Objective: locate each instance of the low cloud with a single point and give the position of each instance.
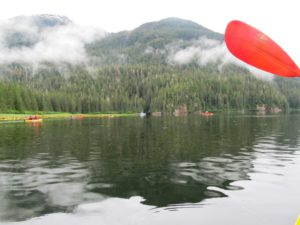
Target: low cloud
(26, 42)
(202, 51)
(206, 51)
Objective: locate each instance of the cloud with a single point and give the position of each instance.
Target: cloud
(25, 42)
(205, 51)
(201, 51)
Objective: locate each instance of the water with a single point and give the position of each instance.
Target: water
(226, 169)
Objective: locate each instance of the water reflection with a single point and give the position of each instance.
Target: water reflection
(33, 187)
(214, 171)
(173, 163)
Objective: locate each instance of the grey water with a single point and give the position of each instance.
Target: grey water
(227, 169)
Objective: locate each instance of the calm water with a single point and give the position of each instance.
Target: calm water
(227, 169)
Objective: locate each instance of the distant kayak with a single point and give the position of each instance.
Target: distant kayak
(142, 114)
(34, 121)
(77, 117)
(207, 113)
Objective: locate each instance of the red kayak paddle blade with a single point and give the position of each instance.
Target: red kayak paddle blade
(257, 49)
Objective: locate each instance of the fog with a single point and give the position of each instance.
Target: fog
(206, 51)
(48, 38)
(28, 40)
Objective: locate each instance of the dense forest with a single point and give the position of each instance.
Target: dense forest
(159, 66)
(135, 88)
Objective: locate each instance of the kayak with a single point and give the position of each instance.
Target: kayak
(298, 221)
(77, 117)
(207, 114)
(34, 121)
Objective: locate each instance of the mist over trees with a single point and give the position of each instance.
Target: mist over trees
(159, 66)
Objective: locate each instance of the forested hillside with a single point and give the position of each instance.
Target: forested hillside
(159, 66)
(152, 43)
(135, 88)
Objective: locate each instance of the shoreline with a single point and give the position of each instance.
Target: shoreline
(22, 117)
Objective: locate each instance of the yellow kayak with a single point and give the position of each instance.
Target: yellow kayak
(34, 121)
(298, 221)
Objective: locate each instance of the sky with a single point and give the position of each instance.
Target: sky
(277, 18)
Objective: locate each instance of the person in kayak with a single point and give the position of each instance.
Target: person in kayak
(35, 117)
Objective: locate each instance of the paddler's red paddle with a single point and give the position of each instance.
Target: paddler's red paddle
(257, 49)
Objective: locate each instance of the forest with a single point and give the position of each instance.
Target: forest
(142, 87)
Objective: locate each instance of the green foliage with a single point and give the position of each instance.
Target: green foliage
(135, 88)
(291, 89)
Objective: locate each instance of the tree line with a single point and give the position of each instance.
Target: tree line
(140, 87)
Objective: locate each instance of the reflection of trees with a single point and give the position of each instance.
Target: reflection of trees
(168, 160)
(174, 160)
(15, 138)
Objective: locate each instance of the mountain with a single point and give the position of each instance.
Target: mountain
(154, 42)
(24, 31)
(151, 41)
(43, 21)
(47, 63)
(173, 28)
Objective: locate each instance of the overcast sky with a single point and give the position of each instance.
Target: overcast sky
(279, 19)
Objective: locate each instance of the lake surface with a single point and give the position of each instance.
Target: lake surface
(225, 169)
